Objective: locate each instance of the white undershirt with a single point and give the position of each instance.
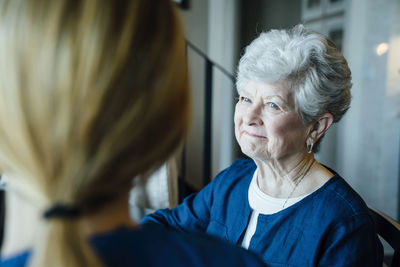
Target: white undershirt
(261, 203)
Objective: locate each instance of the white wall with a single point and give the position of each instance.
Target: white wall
(368, 140)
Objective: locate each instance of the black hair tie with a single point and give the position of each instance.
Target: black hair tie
(62, 211)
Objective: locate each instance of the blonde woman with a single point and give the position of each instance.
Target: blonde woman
(92, 93)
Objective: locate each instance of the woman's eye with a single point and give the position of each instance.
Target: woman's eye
(244, 99)
(273, 105)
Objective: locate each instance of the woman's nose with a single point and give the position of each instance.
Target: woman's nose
(253, 115)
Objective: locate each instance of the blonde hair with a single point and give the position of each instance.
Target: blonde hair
(92, 93)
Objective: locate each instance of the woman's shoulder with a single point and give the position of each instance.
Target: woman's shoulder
(243, 163)
(156, 245)
(335, 209)
(239, 168)
(339, 200)
(240, 165)
(238, 173)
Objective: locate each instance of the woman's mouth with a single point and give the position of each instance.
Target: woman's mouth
(254, 135)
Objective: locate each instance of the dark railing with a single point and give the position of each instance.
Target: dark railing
(209, 66)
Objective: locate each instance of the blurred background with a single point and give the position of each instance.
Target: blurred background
(363, 147)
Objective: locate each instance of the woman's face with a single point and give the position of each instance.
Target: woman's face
(267, 126)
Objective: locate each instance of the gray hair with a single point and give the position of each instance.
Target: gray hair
(317, 73)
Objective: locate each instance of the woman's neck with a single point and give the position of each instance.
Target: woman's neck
(109, 217)
(279, 178)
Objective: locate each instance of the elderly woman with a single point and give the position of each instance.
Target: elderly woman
(283, 204)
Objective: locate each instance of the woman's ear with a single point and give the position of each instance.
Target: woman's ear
(321, 126)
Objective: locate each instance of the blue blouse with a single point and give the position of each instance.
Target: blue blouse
(330, 227)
